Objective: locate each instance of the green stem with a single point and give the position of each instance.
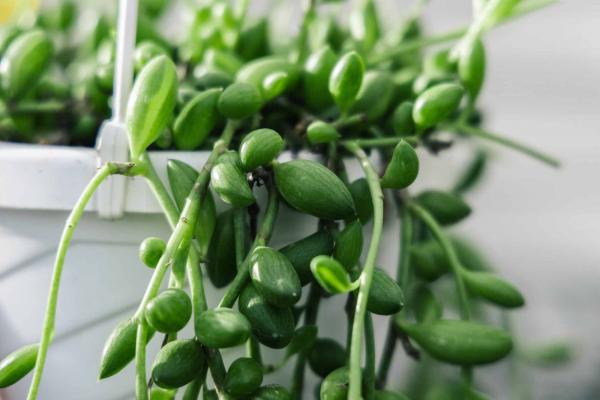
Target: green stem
(366, 276)
(309, 14)
(184, 229)
(520, 10)
(455, 265)
(369, 358)
(310, 318)
(262, 238)
(192, 391)
(382, 142)
(402, 277)
(416, 44)
(217, 371)
(241, 235)
(450, 253)
(172, 214)
(67, 234)
(349, 120)
(29, 107)
(253, 350)
(472, 131)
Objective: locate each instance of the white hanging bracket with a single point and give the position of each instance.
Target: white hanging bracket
(112, 144)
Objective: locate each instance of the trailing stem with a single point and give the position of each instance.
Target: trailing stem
(455, 265)
(65, 240)
(262, 238)
(520, 147)
(366, 277)
(184, 230)
(402, 276)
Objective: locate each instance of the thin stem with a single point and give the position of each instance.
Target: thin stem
(473, 131)
(369, 358)
(402, 276)
(183, 230)
(217, 371)
(253, 350)
(349, 120)
(382, 142)
(63, 246)
(262, 238)
(450, 253)
(310, 318)
(309, 14)
(241, 235)
(192, 391)
(456, 266)
(520, 10)
(416, 44)
(366, 276)
(28, 107)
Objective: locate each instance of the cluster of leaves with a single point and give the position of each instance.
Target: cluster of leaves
(335, 92)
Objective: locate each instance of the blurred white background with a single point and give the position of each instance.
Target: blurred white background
(539, 226)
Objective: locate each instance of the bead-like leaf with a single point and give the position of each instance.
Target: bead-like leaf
(346, 79)
(331, 275)
(17, 364)
(150, 104)
(311, 188)
(460, 342)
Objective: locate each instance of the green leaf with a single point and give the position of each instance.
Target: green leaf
(375, 95)
(222, 327)
(177, 364)
(240, 100)
(319, 132)
(169, 311)
(326, 355)
(446, 208)
(460, 342)
(551, 354)
(197, 120)
(301, 252)
(274, 277)
(244, 376)
(257, 71)
(23, 63)
(311, 188)
(315, 82)
(151, 249)
(17, 364)
(335, 385)
(403, 167)
(402, 120)
(259, 148)
(472, 174)
(151, 104)
(230, 183)
(471, 67)
(436, 104)
(359, 189)
(119, 349)
(493, 289)
(272, 326)
(331, 275)
(346, 79)
(348, 245)
(385, 296)
(221, 265)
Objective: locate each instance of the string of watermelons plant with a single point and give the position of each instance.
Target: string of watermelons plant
(339, 93)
